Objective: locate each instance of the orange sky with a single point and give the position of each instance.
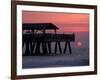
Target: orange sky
(66, 22)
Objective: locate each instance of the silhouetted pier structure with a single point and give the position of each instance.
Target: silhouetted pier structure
(40, 43)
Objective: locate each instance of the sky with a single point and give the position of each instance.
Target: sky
(77, 23)
(66, 22)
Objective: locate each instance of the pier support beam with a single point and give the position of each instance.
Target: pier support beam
(59, 45)
(37, 50)
(69, 46)
(33, 48)
(49, 47)
(27, 50)
(44, 48)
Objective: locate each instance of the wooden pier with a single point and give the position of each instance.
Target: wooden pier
(40, 43)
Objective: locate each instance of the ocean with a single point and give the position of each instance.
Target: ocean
(79, 56)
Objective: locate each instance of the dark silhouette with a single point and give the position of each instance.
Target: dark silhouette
(40, 43)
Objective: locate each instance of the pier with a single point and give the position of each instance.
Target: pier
(40, 43)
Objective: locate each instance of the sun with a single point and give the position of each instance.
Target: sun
(79, 44)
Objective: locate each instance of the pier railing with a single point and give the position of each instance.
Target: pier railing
(49, 37)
